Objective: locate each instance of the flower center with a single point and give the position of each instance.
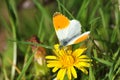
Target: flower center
(67, 60)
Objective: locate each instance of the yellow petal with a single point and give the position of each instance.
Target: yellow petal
(52, 61)
(56, 52)
(61, 74)
(54, 64)
(56, 46)
(85, 60)
(50, 65)
(83, 70)
(62, 52)
(51, 57)
(83, 56)
(82, 64)
(79, 52)
(56, 49)
(69, 73)
(59, 52)
(55, 69)
(73, 72)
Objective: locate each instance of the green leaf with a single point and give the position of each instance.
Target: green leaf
(26, 67)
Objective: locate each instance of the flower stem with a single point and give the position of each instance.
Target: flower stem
(13, 21)
(14, 49)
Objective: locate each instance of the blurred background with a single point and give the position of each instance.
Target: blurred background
(22, 19)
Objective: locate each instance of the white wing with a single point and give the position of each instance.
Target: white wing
(73, 29)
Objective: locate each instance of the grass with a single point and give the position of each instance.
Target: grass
(101, 17)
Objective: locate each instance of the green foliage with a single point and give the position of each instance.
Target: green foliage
(101, 17)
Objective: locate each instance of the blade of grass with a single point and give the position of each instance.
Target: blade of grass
(5, 74)
(105, 30)
(13, 21)
(59, 7)
(23, 42)
(117, 23)
(26, 67)
(94, 10)
(42, 9)
(116, 27)
(103, 61)
(114, 69)
(25, 59)
(91, 74)
(16, 68)
(114, 35)
(65, 9)
(110, 75)
(83, 7)
(45, 15)
(115, 55)
(117, 64)
(95, 53)
(94, 20)
(5, 24)
(40, 27)
(117, 73)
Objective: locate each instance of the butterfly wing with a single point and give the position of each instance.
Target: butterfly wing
(65, 28)
(79, 38)
(74, 29)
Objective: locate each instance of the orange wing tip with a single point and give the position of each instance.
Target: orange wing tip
(60, 21)
(83, 37)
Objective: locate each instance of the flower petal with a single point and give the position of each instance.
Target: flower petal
(56, 52)
(54, 64)
(56, 46)
(61, 74)
(85, 60)
(78, 52)
(62, 52)
(69, 73)
(85, 64)
(51, 57)
(82, 64)
(83, 56)
(83, 70)
(52, 61)
(73, 72)
(55, 69)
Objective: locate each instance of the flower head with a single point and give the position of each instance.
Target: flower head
(65, 62)
(39, 52)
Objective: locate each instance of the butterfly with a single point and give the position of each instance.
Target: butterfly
(68, 31)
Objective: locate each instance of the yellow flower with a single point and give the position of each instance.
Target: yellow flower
(65, 62)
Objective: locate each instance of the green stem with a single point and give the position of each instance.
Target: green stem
(5, 74)
(25, 59)
(14, 49)
(40, 26)
(23, 42)
(13, 21)
(26, 67)
(59, 4)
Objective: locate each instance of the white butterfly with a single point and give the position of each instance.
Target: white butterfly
(68, 31)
